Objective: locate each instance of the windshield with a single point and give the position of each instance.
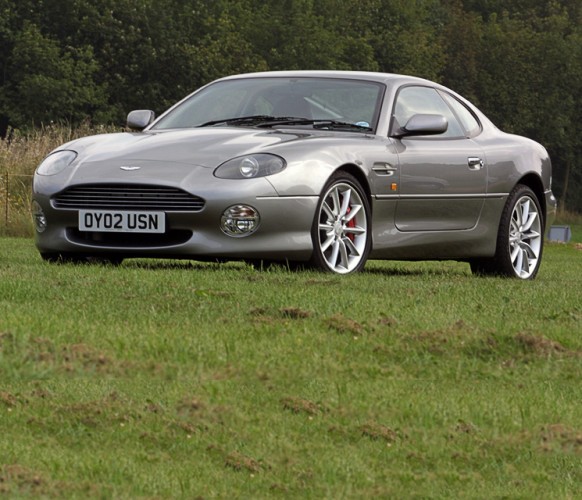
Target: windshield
(313, 99)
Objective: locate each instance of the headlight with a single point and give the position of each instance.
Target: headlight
(251, 166)
(56, 162)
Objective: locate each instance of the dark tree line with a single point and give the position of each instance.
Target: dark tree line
(520, 61)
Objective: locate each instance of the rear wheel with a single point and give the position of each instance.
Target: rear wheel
(520, 238)
(342, 226)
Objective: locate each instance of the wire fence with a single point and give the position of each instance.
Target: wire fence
(15, 198)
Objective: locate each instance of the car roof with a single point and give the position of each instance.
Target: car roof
(390, 78)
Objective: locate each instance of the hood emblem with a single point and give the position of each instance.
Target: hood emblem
(127, 168)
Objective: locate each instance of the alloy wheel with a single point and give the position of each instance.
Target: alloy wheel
(343, 228)
(525, 237)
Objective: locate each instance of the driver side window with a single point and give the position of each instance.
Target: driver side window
(425, 100)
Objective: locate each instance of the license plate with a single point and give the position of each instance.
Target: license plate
(122, 222)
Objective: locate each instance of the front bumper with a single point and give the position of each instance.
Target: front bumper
(283, 233)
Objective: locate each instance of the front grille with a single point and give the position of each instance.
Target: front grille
(127, 197)
(134, 240)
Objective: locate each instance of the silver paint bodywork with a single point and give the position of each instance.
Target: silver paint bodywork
(447, 204)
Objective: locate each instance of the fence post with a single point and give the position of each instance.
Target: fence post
(6, 200)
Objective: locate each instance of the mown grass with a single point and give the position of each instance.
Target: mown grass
(179, 379)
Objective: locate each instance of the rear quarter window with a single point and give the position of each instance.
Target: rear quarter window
(466, 117)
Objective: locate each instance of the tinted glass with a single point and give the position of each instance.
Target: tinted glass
(467, 118)
(352, 101)
(425, 100)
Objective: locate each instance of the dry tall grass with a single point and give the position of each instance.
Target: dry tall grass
(20, 154)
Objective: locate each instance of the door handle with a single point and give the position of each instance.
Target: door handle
(475, 163)
(384, 169)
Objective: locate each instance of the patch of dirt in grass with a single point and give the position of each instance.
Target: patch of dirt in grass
(558, 437)
(550, 438)
(228, 373)
(462, 428)
(194, 416)
(542, 346)
(376, 431)
(190, 406)
(460, 339)
(86, 356)
(261, 315)
(240, 462)
(40, 392)
(73, 357)
(152, 407)
(387, 321)
(442, 340)
(18, 481)
(435, 342)
(8, 399)
(15, 479)
(105, 411)
(7, 343)
(465, 427)
(300, 405)
(236, 460)
(578, 246)
(341, 324)
(6, 338)
(294, 313)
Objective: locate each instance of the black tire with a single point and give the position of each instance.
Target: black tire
(519, 242)
(341, 242)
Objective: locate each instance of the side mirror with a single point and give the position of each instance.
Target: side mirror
(422, 124)
(139, 119)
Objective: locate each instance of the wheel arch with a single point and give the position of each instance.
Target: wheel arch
(533, 181)
(360, 176)
(342, 243)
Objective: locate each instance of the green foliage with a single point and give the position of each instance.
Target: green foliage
(48, 82)
(78, 60)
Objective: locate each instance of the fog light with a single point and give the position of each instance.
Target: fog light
(239, 220)
(38, 217)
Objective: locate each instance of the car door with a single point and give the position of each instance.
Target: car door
(443, 178)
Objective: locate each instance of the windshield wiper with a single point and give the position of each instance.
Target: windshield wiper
(252, 120)
(272, 121)
(336, 124)
(318, 124)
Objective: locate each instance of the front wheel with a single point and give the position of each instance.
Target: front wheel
(520, 238)
(342, 226)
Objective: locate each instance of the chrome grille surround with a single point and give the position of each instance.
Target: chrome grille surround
(127, 197)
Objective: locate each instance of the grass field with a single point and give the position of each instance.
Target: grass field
(177, 379)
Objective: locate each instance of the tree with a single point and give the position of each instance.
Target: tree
(47, 83)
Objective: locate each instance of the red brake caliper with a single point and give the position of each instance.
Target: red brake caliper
(351, 223)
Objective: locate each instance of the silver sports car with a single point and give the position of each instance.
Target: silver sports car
(321, 168)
